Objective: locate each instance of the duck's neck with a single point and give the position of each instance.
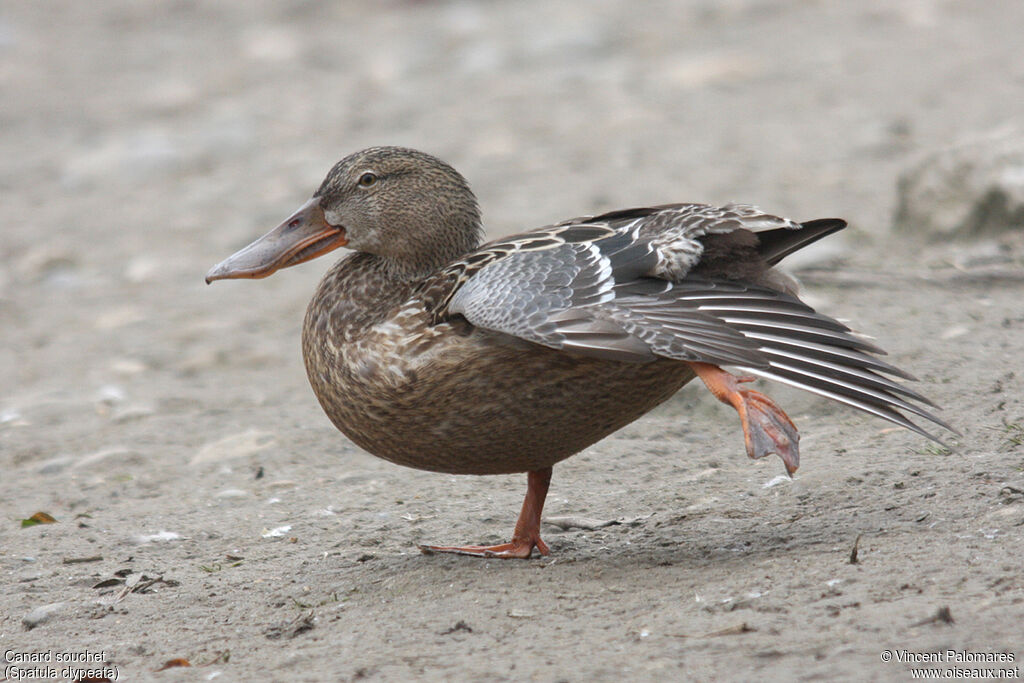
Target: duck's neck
(412, 261)
(357, 293)
(410, 270)
(362, 289)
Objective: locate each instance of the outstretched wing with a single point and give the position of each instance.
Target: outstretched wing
(637, 285)
(799, 346)
(558, 287)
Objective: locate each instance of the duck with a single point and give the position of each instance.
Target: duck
(430, 349)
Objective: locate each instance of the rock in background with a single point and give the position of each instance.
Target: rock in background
(972, 189)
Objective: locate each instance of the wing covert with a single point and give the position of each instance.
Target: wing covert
(552, 292)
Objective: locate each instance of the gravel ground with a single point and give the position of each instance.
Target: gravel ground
(208, 511)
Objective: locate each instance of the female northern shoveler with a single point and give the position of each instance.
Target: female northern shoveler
(434, 352)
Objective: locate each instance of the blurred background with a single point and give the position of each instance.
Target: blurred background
(142, 142)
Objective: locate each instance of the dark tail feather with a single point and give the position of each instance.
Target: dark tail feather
(777, 244)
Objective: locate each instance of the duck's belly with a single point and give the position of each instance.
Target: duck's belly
(473, 405)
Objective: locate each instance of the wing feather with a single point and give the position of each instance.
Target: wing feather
(619, 287)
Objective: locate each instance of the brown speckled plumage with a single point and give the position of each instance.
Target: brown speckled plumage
(433, 352)
(454, 398)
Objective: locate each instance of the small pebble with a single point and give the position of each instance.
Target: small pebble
(127, 366)
(157, 537)
(771, 483)
(131, 413)
(235, 446)
(40, 615)
(55, 465)
(954, 332)
(110, 394)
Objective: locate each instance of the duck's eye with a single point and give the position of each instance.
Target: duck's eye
(368, 179)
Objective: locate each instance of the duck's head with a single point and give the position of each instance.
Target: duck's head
(412, 210)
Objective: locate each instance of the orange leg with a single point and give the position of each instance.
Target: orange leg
(766, 429)
(526, 536)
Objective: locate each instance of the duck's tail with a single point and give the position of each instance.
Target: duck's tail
(779, 243)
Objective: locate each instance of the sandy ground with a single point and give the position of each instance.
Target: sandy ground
(168, 426)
